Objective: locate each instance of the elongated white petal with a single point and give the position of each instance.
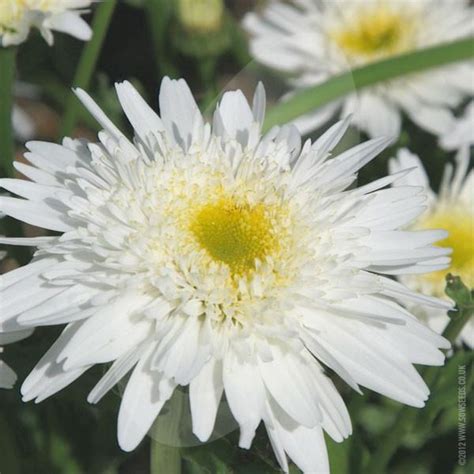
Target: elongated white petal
(205, 392)
(142, 401)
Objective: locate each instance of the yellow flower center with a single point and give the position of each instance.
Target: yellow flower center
(11, 12)
(460, 225)
(233, 233)
(377, 32)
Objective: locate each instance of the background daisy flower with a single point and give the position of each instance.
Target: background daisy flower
(310, 41)
(17, 17)
(212, 257)
(451, 209)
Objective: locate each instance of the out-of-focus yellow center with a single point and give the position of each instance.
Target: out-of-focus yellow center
(12, 11)
(233, 233)
(460, 225)
(380, 32)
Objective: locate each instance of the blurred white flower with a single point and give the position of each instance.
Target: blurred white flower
(17, 17)
(213, 257)
(461, 131)
(7, 375)
(312, 40)
(23, 125)
(451, 209)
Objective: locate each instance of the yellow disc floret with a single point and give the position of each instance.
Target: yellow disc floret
(233, 233)
(376, 32)
(459, 222)
(11, 12)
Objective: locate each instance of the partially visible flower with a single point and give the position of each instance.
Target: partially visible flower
(23, 125)
(461, 131)
(312, 40)
(215, 257)
(7, 375)
(451, 209)
(17, 17)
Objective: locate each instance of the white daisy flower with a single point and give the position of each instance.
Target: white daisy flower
(312, 40)
(461, 131)
(7, 375)
(17, 17)
(210, 256)
(452, 209)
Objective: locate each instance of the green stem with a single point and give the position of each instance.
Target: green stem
(309, 99)
(166, 458)
(206, 68)
(159, 14)
(88, 62)
(406, 418)
(7, 77)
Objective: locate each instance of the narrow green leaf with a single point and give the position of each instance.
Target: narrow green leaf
(159, 15)
(7, 76)
(338, 86)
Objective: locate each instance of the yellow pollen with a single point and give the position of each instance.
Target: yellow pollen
(12, 11)
(377, 32)
(460, 225)
(233, 233)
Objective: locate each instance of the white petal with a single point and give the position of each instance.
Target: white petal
(35, 213)
(245, 394)
(205, 392)
(7, 376)
(178, 110)
(146, 393)
(49, 377)
(71, 23)
(142, 117)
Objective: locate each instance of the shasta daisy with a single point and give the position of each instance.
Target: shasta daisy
(213, 257)
(451, 209)
(310, 40)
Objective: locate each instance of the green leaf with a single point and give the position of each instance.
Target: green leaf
(212, 458)
(464, 299)
(338, 86)
(458, 291)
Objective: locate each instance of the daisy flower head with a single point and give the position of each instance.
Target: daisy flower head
(451, 209)
(17, 17)
(311, 40)
(210, 256)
